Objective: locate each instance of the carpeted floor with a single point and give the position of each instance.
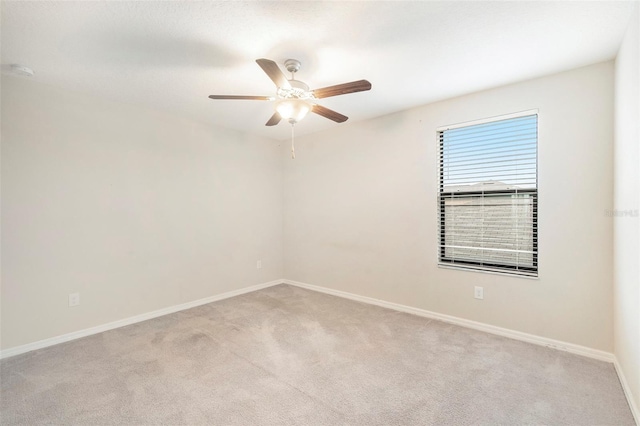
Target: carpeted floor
(285, 356)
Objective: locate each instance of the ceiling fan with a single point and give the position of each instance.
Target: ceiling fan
(294, 99)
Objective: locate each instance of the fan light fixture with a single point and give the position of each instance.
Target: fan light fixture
(293, 109)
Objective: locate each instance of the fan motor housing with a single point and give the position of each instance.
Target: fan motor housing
(299, 85)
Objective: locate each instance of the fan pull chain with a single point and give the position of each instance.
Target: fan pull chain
(293, 149)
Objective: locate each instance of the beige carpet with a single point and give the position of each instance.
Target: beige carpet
(284, 356)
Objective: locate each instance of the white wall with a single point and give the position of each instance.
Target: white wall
(135, 209)
(138, 210)
(627, 197)
(360, 210)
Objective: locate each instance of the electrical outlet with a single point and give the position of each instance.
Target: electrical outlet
(478, 293)
(259, 264)
(74, 299)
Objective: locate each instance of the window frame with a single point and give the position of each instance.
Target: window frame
(479, 266)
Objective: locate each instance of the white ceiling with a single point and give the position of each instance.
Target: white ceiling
(172, 55)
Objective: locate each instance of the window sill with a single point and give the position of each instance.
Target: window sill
(505, 273)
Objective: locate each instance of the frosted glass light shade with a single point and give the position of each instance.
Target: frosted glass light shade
(293, 109)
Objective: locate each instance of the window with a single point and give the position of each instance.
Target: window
(488, 195)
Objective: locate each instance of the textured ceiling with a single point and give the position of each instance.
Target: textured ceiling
(172, 55)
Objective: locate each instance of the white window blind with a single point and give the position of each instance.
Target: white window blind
(488, 196)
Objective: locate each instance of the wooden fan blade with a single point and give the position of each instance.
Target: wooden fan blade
(342, 89)
(330, 114)
(275, 119)
(274, 73)
(249, 98)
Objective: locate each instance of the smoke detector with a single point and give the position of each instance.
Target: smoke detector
(21, 70)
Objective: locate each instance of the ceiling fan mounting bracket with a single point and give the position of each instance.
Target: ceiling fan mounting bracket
(292, 65)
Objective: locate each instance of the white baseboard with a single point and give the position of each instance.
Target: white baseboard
(538, 340)
(627, 392)
(17, 350)
(505, 332)
(517, 335)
